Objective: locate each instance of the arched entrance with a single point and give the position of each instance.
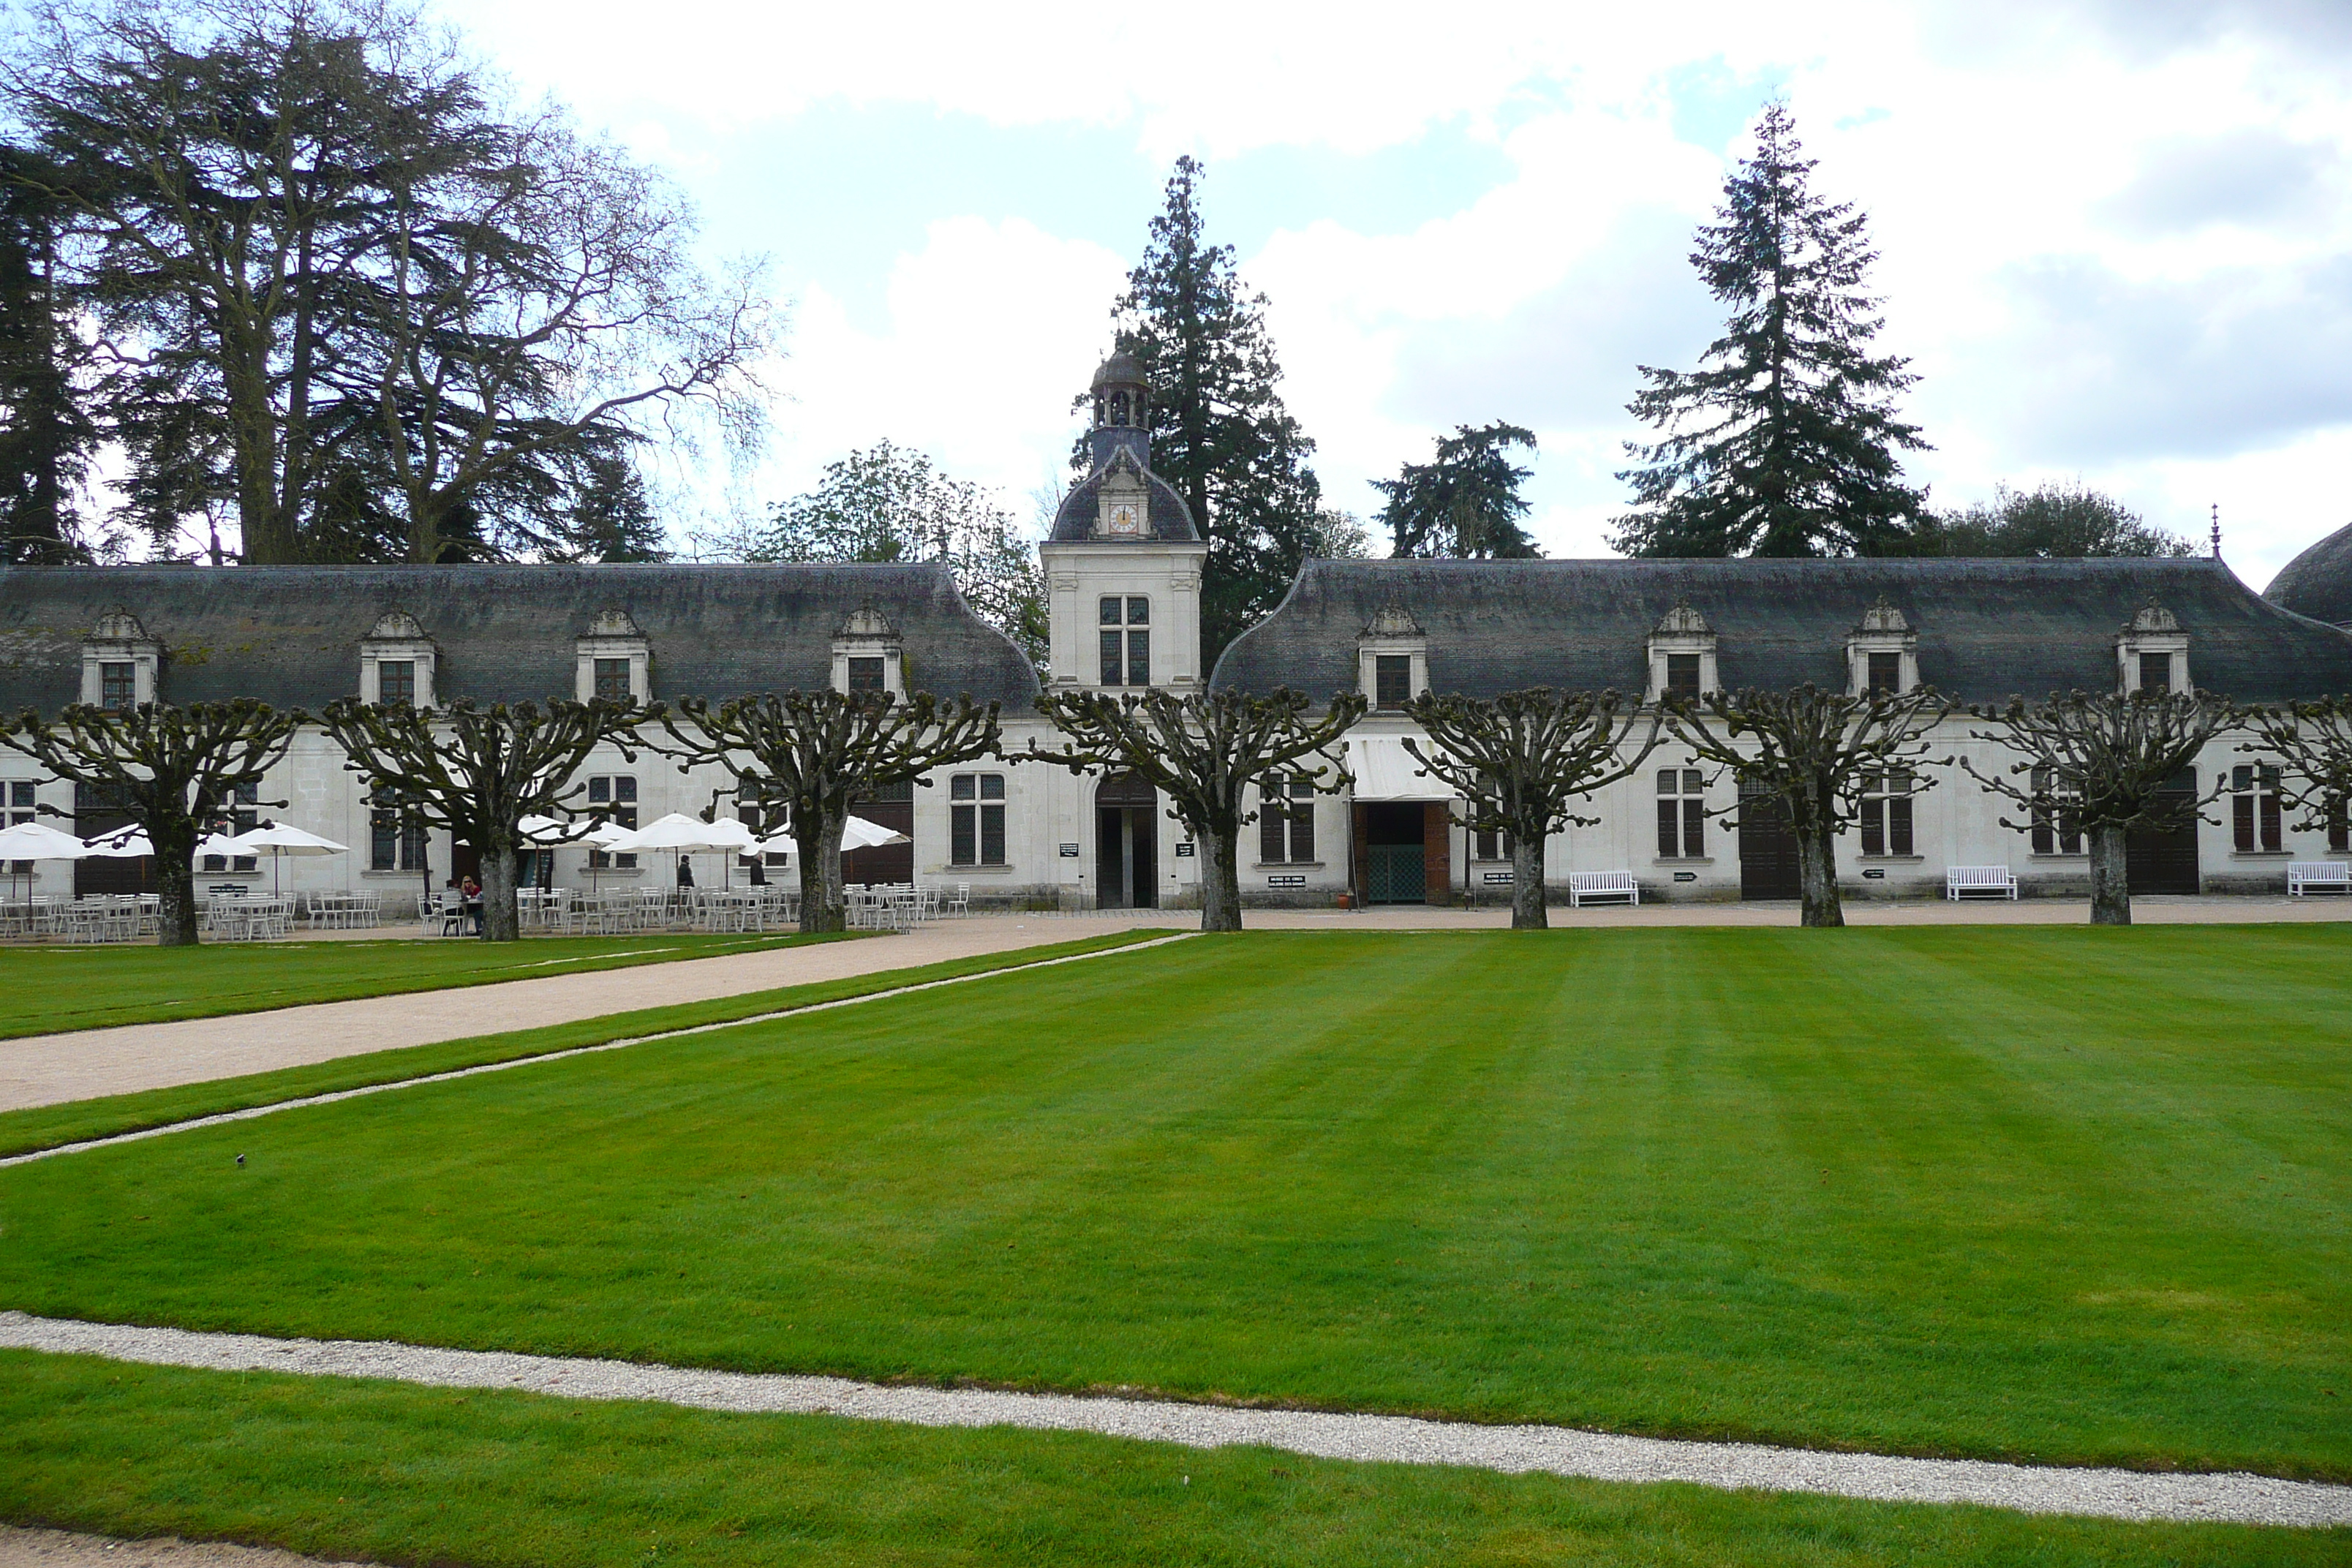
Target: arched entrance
(1127, 844)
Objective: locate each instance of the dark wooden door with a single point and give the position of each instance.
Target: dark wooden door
(891, 806)
(95, 814)
(1768, 848)
(1127, 844)
(1143, 857)
(1396, 853)
(2163, 859)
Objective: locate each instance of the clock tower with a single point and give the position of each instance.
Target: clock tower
(1123, 562)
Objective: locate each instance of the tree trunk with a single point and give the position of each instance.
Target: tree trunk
(1528, 911)
(1221, 882)
(1817, 866)
(2110, 877)
(175, 883)
(820, 848)
(499, 922)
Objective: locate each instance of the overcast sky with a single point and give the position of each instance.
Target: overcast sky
(2115, 236)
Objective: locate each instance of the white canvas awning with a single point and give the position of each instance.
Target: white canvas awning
(1384, 770)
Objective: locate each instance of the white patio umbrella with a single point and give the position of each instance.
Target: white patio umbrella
(39, 841)
(278, 840)
(129, 843)
(690, 835)
(859, 834)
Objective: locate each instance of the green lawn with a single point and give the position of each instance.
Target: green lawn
(50, 1126)
(2042, 1193)
(490, 1479)
(47, 990)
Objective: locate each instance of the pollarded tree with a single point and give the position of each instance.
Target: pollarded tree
(1817, 754)
(813, 753)
(1518, 760)
(2106, 762)
(479, 771)
(173, 771)
(1466, 505)
(2315, 742)
(1784, 441)
(1208, 752)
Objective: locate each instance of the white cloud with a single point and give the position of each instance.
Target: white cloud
(2115, 235)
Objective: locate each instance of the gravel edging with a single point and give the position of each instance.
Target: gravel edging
(2235, 1498)
(272, 1108)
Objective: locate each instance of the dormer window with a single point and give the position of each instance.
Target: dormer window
(2152, 653)
(397, 683)
(119, 663)
(868, 656)
(397, 661)
(1682, 656)
(614, 660)
(1882, 653)
(1393, 660)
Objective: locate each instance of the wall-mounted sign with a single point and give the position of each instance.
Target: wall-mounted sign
(1686, 876)
(1285, 881)
(1498, 876)
(1183, 849)
(1069, 851)
(1876, 874)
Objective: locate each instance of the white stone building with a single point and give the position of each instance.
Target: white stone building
(1123, 566)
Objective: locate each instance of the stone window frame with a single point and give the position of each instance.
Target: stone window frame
(613, 634)
(1881, 630)
(397, 638)
(118, 639)
(2152, 631)
(868, 634)
(1685, 630)
(1395, 634)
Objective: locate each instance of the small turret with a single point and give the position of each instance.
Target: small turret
(1122, 411)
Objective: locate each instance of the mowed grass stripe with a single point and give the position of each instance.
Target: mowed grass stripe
(1821, 1189)
(348, 1469)
(55, 1126)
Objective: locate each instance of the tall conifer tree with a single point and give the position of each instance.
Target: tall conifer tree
(1465, 505)
(48, 424)
(1220, 432)
(1785, 441)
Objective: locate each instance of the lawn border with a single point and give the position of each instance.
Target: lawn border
(2103, 1492)
(39, 1132)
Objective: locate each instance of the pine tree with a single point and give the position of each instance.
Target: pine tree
(1466, 505)
(1220, 432)
(1785, 441)
(48, 425)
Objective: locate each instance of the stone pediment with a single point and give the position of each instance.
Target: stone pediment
(396, 626)
(866, 624)
(614, 621)
(1392, 621)
(2154, 617)
(118, 624)
(1684, 621)
(1883, 619)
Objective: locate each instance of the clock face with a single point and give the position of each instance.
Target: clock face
(1124, 518)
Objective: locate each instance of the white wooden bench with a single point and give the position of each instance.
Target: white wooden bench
(2305, 874)
(1584, 886)
(1979, 882)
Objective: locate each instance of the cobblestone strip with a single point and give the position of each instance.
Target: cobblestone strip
(2236, 1497)
(276, 1106)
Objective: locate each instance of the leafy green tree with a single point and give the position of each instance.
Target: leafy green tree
(1466, 505)
(890, 503)
(609, 517)
(1785, 441)
(1220, 432)
(1339, 536)
(48, 421)
(2050, 521)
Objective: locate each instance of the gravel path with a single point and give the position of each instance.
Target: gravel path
(47, 1070)
(329, 1099)
(2235, 1499)
(64, 1549)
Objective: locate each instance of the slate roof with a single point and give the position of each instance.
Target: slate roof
(290, 634)
(2319, 583)
(1987, 628)
(1168, 516)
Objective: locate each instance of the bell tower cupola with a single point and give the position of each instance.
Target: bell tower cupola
(1122, 411)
